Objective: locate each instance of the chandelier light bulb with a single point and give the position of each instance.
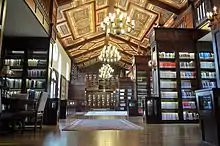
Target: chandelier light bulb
(118, 11)
(121, 17)
(109, 53)
(105, 71)
(129, 29)
(215, 10)
(133, 23)
(128, 19)
(122, 31)
(117, 23)
(121, 25)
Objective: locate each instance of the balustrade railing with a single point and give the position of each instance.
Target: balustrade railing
(201, 8)
(45, 4)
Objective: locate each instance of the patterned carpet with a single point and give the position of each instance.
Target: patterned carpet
(107, 113)
(102, 124)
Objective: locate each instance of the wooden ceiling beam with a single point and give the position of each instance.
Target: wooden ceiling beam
(165, 6)
(125, 53)
(63, 2)
(126, 62)
(100, 36)
(85, 41)
(86, 52)
(97, 48)
(122, 60)
(127, 42)
(87, 60)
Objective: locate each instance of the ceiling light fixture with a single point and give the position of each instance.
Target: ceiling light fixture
(105, 71)
(109, 54)
(117, 23)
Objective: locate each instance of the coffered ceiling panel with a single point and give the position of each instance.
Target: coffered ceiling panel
(101, 4)
(67, 41)
(78, 26)
(175, 3)
(164, 14)
(143, 19)
(122, 4)
(100, 15)
(81, 20)
(63, 29)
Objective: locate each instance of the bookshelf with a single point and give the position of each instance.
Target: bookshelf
(207, 71)
(122, 104)
(100, 93)
(29, 64)
(188, 78)
(178, 74)
(15, 60)
(99, 99)
(125, 92)
(142, 80)
(37, 70)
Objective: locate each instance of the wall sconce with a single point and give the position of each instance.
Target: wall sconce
(152, 64)
(214, 18)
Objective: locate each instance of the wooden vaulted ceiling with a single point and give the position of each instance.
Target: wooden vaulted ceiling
(78, 25)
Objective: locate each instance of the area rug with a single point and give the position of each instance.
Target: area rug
(106, 113)
(101, 124)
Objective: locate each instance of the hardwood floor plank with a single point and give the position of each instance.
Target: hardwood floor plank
(152, 135)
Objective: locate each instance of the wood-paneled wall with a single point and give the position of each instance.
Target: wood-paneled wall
(77, 87)
(184, 20)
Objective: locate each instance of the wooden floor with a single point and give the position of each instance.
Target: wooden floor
(152, 135)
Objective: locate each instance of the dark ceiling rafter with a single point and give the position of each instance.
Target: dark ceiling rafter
(125, 53)
(96, 56)
(86, 52)
(165, 6)
(79, 48)
(86, 60)
(133, 43)
(63, 2)
(127, 42)
(126, 62)
(85, 41)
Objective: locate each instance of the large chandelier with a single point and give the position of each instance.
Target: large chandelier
(105, 71)
(118, 23)
(109, 54)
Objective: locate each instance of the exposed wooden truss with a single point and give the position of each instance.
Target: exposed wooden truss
(79, 31)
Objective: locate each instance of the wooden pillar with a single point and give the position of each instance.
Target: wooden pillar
(3, 4)
(216, 50)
